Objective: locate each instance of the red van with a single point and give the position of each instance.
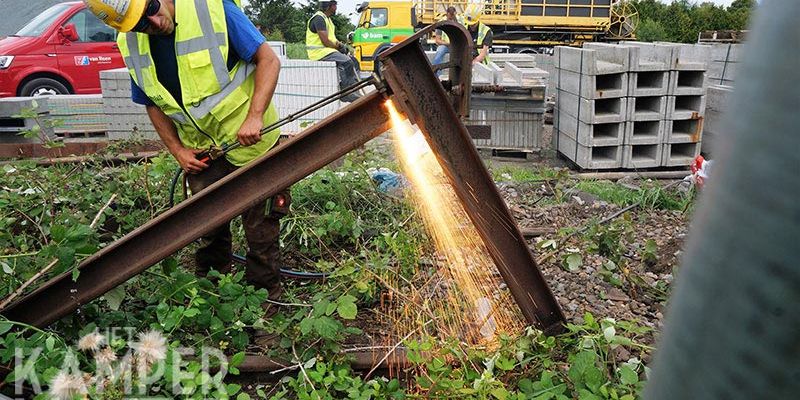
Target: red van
(61, 51)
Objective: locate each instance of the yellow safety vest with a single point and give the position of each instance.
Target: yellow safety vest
(215, 100)
(316, 49)
(483, 30)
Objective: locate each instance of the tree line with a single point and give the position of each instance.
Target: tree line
(282, 20)
(682, 20)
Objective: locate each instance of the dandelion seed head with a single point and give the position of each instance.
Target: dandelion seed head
(91, 341)
(151, 347)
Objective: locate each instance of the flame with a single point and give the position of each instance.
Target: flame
(478, 307)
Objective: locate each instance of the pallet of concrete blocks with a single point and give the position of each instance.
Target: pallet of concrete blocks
(13, 124)
(591, 104)
(126, 119)
(714, 129)
(78, 116)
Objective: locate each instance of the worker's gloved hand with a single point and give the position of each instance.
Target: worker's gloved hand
(343, 48)
(250, 131)
(187, 158)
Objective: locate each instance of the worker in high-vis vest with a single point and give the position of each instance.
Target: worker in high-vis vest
(207, 78)
(441, 39)
(322, 45)
(480, 33)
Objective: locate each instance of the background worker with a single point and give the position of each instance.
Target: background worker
(322, 45)
(480, 33)
(202, 90)
(441, 39)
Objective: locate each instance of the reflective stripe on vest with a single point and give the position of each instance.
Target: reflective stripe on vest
(314, 46)
(483, 30)
(216, 101)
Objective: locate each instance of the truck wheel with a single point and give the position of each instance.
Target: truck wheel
(43, 87)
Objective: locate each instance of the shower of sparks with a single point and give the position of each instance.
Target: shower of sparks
(465, 297)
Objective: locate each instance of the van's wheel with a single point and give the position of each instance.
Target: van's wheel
(43, 87)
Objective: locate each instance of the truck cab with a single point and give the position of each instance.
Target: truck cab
(61, 51)
(381, 25)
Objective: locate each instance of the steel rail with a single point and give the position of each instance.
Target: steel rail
(311, 150)
(419, 94)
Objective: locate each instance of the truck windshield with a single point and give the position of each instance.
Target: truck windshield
(42, 21)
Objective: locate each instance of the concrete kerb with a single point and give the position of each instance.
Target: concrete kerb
(685, 107)
(591, 135)
(598, 157)
(648, 83)
(652, 108)
(601, 61)
(597, 111)
(644, 132)
(642, 156)
(594, 86)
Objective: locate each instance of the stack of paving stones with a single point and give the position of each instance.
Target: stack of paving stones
(126, 119)
(78, 117)
(719, 97)
(12, 125)
(301, 83)
(632, 106)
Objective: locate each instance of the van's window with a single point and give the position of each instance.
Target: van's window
(378, 17)
(91, 29)
(42, 21)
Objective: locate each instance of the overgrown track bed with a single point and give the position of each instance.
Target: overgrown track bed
(611, 277)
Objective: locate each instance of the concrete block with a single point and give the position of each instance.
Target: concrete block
(524, 76)
(590, 135)
(592, 86)
(685, 107)
(648, 83)
(652, 108)
(688, 57)
(687, 83)
(684, 130)
(644, 132)
(520, 60)
(718, 97)
(642, 58)
(601, 157)
(642, 156)
(679, 154)
(600, 61)
(482, 75)
(592, 111)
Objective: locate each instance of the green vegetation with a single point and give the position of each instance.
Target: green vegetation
(341, 224)
(682, 20)
(650, 195)
(286, 21)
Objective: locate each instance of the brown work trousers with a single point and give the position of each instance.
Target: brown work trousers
(261, 227)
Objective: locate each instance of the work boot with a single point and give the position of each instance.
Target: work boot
(270, 308)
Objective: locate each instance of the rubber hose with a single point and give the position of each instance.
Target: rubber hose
(733, 327)
(289, 273)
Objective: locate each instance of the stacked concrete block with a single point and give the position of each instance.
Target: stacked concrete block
(724, 61)
(13, 125)
(77, 116)
(515, 114)
(664, 96)
(591, 104)
(301, 83)
(126, 119)
(714, 130)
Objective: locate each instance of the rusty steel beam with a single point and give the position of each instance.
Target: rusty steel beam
(419, 94)
(317, 146)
